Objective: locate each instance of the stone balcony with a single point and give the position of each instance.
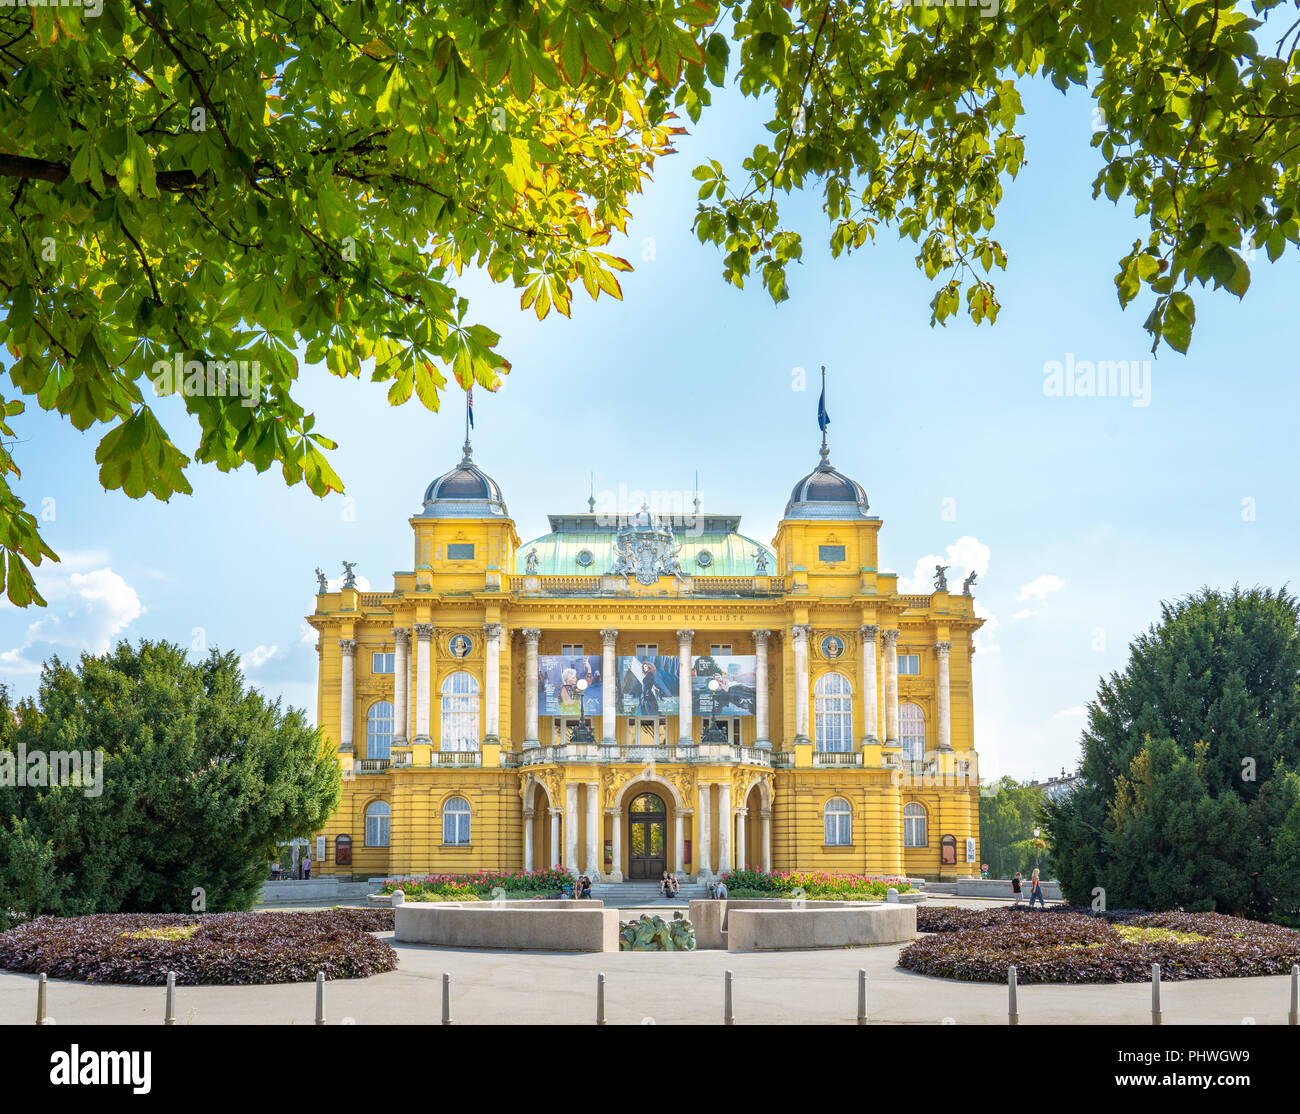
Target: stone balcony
(641, 755)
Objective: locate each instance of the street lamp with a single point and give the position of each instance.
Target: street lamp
(581, 732)
(1037, 844)
(713, 733)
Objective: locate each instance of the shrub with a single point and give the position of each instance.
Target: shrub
(814, 884)
(484, 883)
(223, 949)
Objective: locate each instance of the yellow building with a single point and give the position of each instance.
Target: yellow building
(633, 693)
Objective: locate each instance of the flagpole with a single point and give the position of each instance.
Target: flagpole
(825, 451)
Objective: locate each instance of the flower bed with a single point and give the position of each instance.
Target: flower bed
(979, 945)
(224, 949)
(814, 884)
(484, 883)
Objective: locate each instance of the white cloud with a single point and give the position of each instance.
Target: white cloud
(1077, 712)
(966, 555)
(1036, 593)
(257, 657)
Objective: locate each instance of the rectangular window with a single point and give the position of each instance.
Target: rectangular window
(647, 649)
(731, 729)
(377, 831)
(647, 732)
(909, 665)
(571, 650)
(723, 651)
(382, 663)
(460, 551)
(562, 727)
(830, 554)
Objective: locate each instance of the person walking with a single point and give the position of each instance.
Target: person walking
(306, 867)
(1015, 886)
(1036, 891)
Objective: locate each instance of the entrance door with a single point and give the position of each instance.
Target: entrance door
(647, 823)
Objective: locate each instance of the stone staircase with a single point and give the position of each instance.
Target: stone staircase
(637, 895)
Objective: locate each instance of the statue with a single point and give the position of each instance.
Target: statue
(322, 585)
(966, 584)
(530, 563)
(349, 576)
(940, 579)
(760, 562)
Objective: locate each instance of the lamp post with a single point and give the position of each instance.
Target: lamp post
(713, 733)
(581, 733)
(1036, 845)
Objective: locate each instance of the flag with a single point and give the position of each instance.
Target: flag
(823, 418)
(469, 402)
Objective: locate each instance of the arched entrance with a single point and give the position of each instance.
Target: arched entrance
(647, 836)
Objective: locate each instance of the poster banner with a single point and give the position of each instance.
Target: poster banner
(558, 693)
(648, 686)
(733, 691)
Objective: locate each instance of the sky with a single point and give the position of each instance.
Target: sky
(1079, 514)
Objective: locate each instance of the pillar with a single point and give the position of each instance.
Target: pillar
(891, 688)
(608, 692)
(528, 839)
(760, 685)
(616, 842)
(800, 634)
(870, 685)
(594, 867)
(742, 854)
(423, 667)
(942, 649)
(555, 835)
(702, 834)
(725, 820)
(686, 726)
(401, 683)
(679, 840)
(531, 635)
(347, 692)
(765, 830)
(492, 683)
(571, 826)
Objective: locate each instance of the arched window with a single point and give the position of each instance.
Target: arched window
(914, 834)
(460, 712)
(455, 821)
(833, 707)
(377, 817)
(379, 730)
(839, 822)
(911, 732)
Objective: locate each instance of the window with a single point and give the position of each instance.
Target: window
(379, 730)
(460, 712)
(914, 825)
(647, 732)
(455, 822)
(833, 707)
(723, 651)
(911, 732)
(382, 663)
(731, 729)
(562, 727)
(839, 823)
(909, 665)
(460, 551)
(377, 817)
(830, 553)
(572, 650)
(647, 650)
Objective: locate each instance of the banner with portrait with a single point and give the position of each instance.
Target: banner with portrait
(724, 685)
(559, 692)
(648, 685)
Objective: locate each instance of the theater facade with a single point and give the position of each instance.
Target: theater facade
(637, 692)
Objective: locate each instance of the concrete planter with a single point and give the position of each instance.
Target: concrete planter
(779, 924)
(547, 926)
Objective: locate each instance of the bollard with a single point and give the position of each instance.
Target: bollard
(170, 1017)
(320, 997)
(446, 998)
(1013, 1014)
(862, 996)
(40, 999)
(728, 1014)
(600, 999)
(1155, 994)
(1293, 1018)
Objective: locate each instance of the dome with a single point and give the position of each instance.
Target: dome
(827, 493)
(466, 491)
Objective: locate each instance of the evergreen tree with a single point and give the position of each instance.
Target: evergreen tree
(1188, 798)
(1007, 820)
(201, 779)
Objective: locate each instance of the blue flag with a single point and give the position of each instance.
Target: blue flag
(823, 418)
(469, 403)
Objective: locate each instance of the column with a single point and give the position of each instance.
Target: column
(765, 830)
(555, 836)
(423, 666)
(760, 682)
(891, 688)
(870, 685)
(686, 726)
(725, 820)
(679, 840)
(608, 691)
(347, 692)
(571, 826)
(594, 867)
(531, 635)
(742, 854)
(945, 708)
(401, 683)
(800, 634)
(492, 683)
(616, 843)
(702, 834)
(528, 839)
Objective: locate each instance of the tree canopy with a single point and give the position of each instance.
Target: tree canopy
(201, 778)
(1008, 816)
(216, 183)
(1191, 796)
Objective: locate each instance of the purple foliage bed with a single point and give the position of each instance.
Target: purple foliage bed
(226, 949)
(978, 945)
